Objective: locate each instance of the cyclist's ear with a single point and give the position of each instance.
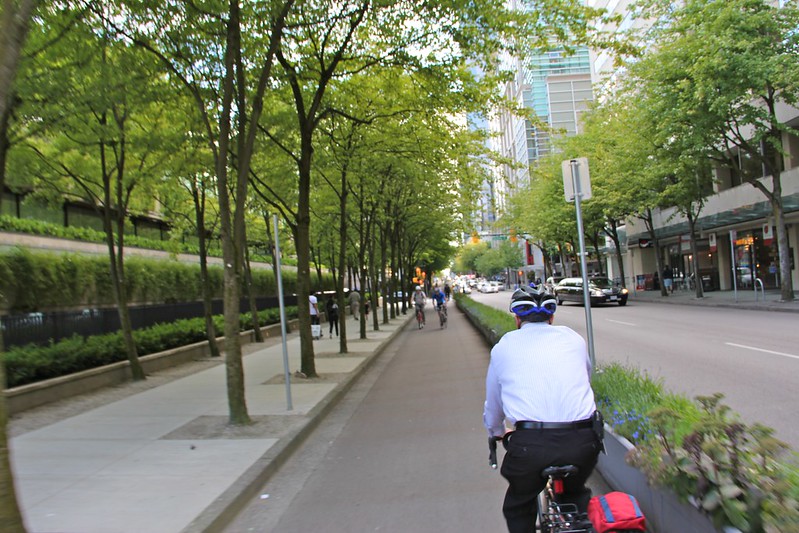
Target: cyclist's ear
(518, 321)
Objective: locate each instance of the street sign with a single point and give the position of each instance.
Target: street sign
(583, 179)
(577, 187)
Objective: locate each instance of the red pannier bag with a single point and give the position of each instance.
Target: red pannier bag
(616, 512)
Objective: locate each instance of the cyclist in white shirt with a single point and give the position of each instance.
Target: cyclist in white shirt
(419, 299)
(538, 382)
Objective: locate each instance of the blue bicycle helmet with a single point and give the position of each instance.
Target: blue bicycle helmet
(528, 300)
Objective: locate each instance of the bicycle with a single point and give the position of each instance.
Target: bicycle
(553, 516)
(419, 316)
(442, 315)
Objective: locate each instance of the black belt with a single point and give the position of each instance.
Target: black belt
(580, 424)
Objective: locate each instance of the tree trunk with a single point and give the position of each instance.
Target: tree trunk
(374, 284)
(650, 226)
(199, 213)
(234, 371)
(5, 144)
(303, 243)
(14, 21)
(342, 262)
(10, 515)
(117, 265)
(384, 288)
(613, 233)
(700, 292)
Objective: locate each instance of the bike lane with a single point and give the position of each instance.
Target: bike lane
(405, 451)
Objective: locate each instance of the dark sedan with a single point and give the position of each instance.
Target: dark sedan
(601, 290)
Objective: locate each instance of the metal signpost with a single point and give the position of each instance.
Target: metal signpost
(577, 187)
(286, 372)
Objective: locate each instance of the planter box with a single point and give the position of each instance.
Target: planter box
(664, 512)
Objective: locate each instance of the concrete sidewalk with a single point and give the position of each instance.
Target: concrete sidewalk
(164, 460)
(743, 299)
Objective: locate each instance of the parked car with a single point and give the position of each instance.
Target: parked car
(601, 290)
(744, 276)
(492, 286)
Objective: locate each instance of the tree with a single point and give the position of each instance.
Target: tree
(728, 102)
(468, 256)
(112, 136)
(203, 50)
(14, 20)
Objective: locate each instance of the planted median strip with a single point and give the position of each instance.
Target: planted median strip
(739, 475)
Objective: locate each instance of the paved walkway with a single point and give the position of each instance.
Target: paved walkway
(164, 460)
(743, 299)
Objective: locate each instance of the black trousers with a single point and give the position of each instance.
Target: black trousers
(529, 451)
(334, 323)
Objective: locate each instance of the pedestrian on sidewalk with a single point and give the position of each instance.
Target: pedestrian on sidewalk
(355, 302)
(331, 308)
(668, 279)
(314, 301)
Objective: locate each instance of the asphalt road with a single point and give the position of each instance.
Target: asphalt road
(405, 451)
(752, 357)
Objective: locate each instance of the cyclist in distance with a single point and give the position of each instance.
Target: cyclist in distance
(439, 300)
(538, 382)
(419, 300)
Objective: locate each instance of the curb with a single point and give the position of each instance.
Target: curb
(773, 306)
(226, 507)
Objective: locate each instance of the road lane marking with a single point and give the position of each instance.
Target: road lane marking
(762, 350)
(620, 322)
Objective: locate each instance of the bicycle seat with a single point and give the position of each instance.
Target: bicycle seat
(559, 471)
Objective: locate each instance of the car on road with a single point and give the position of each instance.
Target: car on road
(601, 290)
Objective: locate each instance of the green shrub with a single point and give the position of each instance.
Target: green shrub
(494, 319)
(735, 472)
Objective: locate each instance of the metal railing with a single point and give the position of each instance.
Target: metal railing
(43, 328)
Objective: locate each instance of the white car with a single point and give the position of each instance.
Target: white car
(492, 286)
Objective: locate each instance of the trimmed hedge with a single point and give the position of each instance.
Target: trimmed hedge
(37, 281)
(29, 364)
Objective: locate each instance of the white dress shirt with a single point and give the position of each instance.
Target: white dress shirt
(539, 372)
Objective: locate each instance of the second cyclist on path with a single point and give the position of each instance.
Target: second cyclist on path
(419, 299)
(440, 301)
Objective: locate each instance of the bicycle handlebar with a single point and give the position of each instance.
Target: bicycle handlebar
(492, 451)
